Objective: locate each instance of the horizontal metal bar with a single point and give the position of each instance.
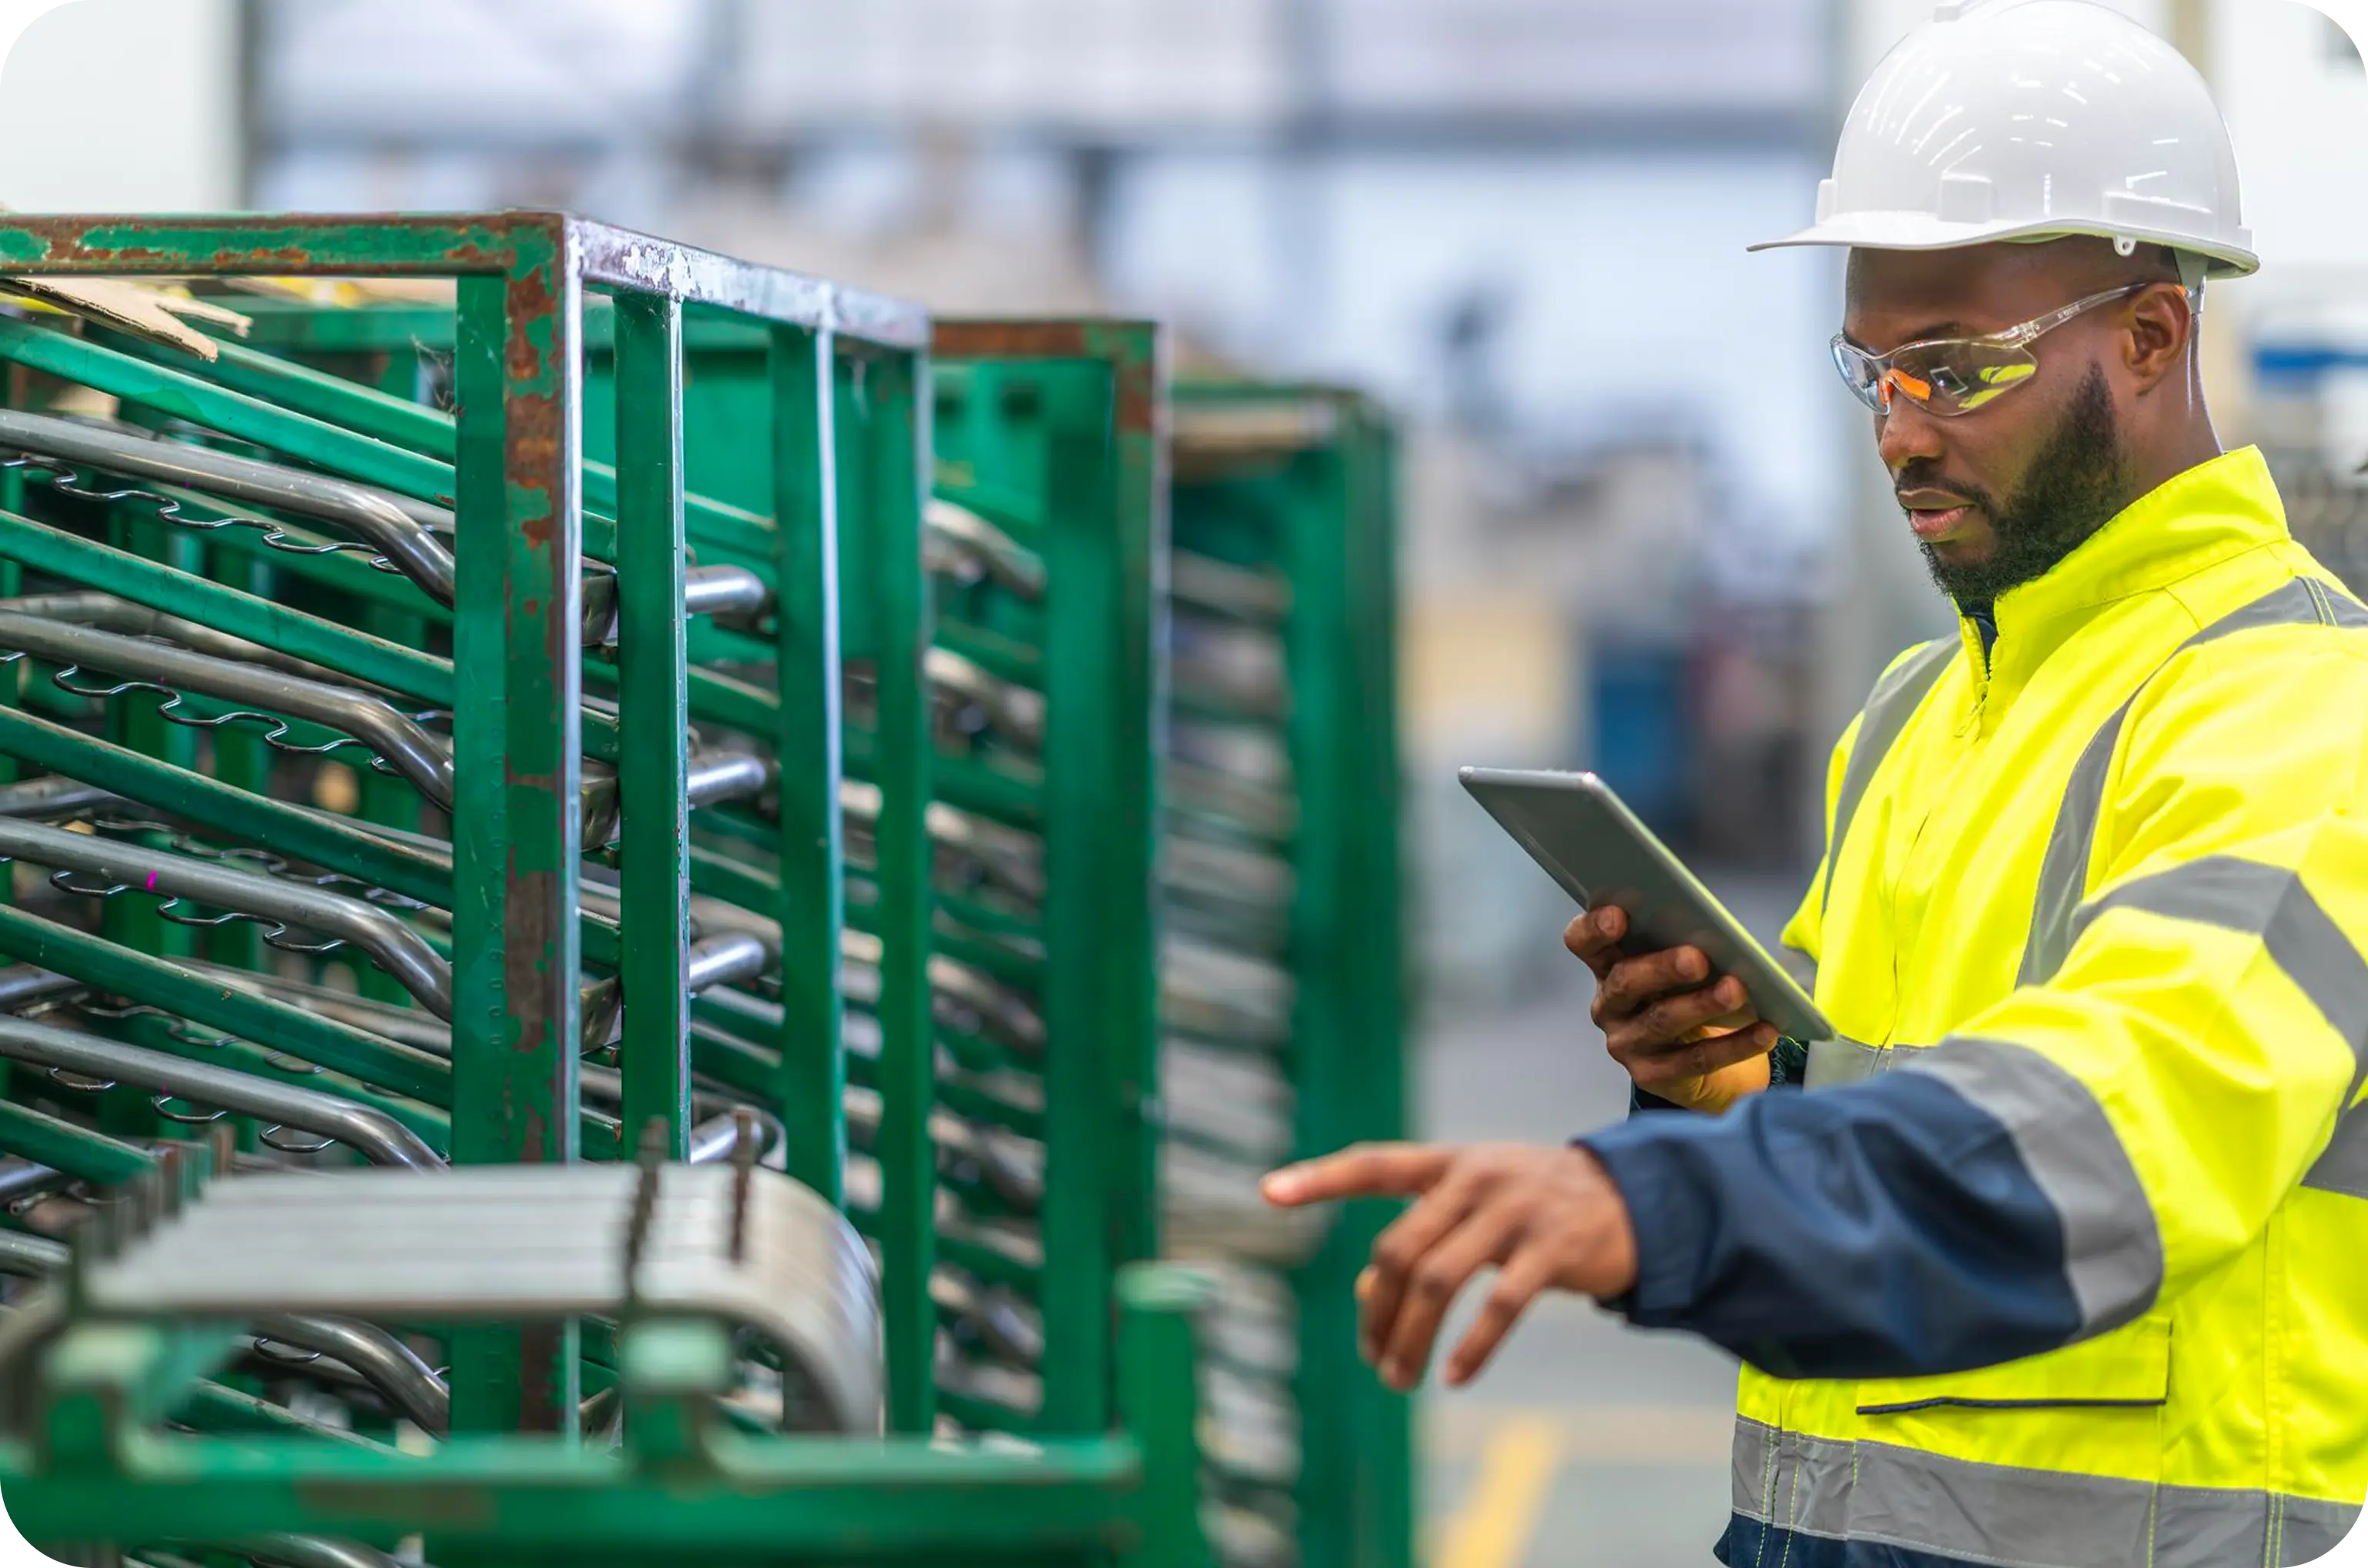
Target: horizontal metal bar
(160, 587)
(993, 792)
(373, 1133)
(76, 1150)
(430, 432)
(376, 244)
(621, 258)
(191, 397)
(388, 939)
(324, 840)
(775, 1499)
(177, 988)
(404, 533)
(1006, 658)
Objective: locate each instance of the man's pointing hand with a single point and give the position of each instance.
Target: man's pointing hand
(1546, 1219)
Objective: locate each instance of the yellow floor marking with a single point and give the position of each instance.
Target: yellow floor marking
(1605, 1436)
(1493, 1526)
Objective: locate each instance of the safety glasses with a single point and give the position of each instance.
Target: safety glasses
(1953, 376)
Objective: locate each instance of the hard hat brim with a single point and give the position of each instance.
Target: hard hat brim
(1922, 231)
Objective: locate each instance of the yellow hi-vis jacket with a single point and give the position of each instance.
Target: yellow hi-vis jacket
(2094, 904)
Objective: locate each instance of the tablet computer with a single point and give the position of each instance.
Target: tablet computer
(1594, 845)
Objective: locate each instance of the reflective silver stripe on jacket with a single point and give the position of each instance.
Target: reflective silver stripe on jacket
(1896, 698)
(1834, 1062)
(2064, 872)
(2317, 957)
(1883, 1494)
(2112, 1248)
(2344, 1167)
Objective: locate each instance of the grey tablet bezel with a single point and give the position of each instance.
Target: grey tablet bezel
(1775, 996)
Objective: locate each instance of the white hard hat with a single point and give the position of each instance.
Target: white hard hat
(2032, 119)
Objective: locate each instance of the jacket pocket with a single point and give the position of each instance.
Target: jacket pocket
(2128, 1367)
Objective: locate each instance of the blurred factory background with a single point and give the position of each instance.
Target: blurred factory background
(1647, 535)
(1647, 532)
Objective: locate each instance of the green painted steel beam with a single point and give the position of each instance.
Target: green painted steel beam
(808, 893)
(653, 714)
(63, 1146)
(181, 395)
(322, 840)
(197, 996)
(518, 766)
(889, 443)
(161, 588)
(778, 1500)
(429, 432)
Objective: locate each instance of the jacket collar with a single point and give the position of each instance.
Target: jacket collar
(2211, 513)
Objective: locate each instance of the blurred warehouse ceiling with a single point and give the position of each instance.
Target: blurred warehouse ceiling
(1116, 72)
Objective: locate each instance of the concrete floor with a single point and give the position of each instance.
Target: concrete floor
(1587, 1444)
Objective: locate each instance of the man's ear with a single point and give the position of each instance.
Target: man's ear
(2161, 332)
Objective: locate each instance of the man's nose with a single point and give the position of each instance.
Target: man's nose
(1907, 433)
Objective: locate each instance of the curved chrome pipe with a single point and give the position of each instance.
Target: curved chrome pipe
(423, 758)
(1015, 710)
(372, 516)
(30, 1256)
(960, 533)
(706, 590)
(377, 1136)
(716, 1138)
(314, 1552)
(398, 949)
(711, 777)
(129, 619)
(386, 1363)
(53, 795)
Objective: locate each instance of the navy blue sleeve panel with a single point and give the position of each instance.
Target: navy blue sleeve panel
(1887, 1229)
(1788, 1065)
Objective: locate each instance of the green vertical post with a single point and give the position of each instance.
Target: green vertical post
(1159, 1398)
(653, 718)
(517, 758)
(894, 442)
(1329, 1377)
(1138, 522)
(811, 1093)
(1386, 1479)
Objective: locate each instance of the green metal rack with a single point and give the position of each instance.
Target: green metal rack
(708, 594)
(1047, 527)
(1284, 984)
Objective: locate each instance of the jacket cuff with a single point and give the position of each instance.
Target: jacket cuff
(1665, 1215)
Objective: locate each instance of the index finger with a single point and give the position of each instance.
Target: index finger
(1368, 1170)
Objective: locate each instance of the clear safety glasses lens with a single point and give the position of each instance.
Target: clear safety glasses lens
(1946, 377)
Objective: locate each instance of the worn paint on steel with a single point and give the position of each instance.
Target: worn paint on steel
(653, 718)
(881, 399)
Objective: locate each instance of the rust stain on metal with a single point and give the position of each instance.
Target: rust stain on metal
(539, 1344)
(1137, 376)
(1011, 340)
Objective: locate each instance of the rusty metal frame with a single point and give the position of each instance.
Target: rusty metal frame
(517, 709)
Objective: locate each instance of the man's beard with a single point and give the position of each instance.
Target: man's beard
(2079, 483)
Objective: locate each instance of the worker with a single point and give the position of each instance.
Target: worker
(2058, 1257)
